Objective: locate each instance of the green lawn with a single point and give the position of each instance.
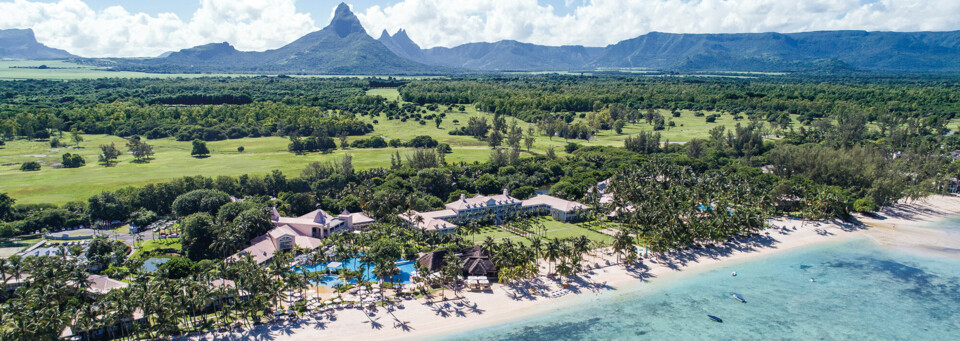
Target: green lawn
(559, 229)
(172, 160)
(554, 229)
(492, 232)
(151, 246)
(687, 127)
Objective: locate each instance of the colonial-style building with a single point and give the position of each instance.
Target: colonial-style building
(498, 208)
(305, 231)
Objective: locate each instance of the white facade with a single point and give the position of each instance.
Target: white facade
(499, 208)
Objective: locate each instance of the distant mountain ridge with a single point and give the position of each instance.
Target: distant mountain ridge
(343, 47)
(504, 55)
(22, 44)
(831, 51)
(861, 50)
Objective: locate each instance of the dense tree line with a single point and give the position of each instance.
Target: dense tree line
(811, 97)
(208, 109)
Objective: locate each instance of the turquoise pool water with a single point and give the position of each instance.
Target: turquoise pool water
(861, 292)
(406, 268)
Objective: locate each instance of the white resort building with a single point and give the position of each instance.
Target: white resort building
(496, 207)
(305, 231)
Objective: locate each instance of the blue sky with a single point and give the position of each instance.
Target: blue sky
(100, 28)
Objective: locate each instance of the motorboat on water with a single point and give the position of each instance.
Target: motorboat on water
(715, 319)
(739, 298)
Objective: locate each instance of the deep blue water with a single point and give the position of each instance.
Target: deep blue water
(861, 292)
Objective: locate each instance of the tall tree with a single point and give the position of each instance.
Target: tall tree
(77, 137)
(108, 154)
(140, 149)
(199, 149)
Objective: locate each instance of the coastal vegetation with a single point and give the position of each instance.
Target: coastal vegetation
(753, 149)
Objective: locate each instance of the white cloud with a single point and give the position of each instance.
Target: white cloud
(75, 27)
(601, 22)
(266, 24)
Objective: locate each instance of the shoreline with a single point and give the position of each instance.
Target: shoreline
(905, 225)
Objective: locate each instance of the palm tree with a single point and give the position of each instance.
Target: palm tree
(451, 270)
(471, 228)
(553, 252)
(15, 266)
(423, 274)
(621, 242)
(3, 276)
(536, 245)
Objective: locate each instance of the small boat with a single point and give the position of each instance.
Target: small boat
(715, 319)
(739, 298)
(734, 274)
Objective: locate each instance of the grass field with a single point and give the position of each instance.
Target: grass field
(261, 155)
(149, 247)
(687, 127)
(172, 160)
(554, 229)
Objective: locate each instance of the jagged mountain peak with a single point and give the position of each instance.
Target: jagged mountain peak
(344, 22)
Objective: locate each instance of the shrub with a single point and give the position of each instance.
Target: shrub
(372, 142)
(865, 205)
(422, 141)
(30, 166)
(72, 161)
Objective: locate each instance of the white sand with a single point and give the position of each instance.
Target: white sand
(895, 227)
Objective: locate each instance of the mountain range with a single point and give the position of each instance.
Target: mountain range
(22, 44)
(505, 55)
(344, 47)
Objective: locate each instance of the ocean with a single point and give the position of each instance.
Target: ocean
(861, 291)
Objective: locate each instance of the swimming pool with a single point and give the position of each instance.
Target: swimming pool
(152, 264)
(406, 268)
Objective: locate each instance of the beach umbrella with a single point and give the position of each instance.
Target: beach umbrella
(327, 302)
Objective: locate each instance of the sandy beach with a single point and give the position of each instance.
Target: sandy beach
(905, 225)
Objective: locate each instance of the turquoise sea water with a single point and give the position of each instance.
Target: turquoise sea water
(861, 292)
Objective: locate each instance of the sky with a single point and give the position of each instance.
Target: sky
(143, 28)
